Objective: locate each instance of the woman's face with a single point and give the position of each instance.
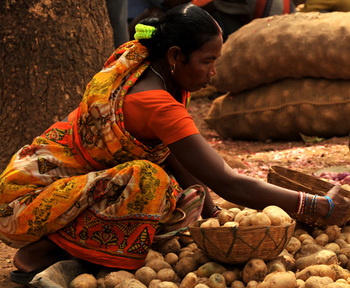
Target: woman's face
(197, 72)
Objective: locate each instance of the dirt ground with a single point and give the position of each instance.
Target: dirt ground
(250, 158)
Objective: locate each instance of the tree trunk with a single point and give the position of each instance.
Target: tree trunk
(49, 51)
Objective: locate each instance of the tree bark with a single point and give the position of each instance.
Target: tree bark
(49, 51)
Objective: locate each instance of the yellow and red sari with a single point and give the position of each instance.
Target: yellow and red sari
(90, 186)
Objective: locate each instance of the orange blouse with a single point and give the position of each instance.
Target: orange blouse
(155, 115)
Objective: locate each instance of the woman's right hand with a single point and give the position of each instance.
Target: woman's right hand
(341, 213)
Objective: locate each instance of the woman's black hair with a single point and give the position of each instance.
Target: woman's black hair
(186, 26)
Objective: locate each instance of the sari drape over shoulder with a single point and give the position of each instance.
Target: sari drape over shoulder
(89, 185)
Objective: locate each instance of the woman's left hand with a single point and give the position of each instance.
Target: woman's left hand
(341, 213)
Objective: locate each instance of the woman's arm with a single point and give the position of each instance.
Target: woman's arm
(198, 157)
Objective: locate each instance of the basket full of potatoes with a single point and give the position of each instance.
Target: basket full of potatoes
(236, 235)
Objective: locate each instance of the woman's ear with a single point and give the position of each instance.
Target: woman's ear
(174, 55)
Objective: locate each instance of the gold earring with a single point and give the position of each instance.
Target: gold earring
(172, 69)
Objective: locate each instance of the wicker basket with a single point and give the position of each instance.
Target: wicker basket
(235, 245)
(298, 181)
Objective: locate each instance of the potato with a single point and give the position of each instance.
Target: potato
(321, 257)
(235, 210)
(184, 254)
(231, 224)
(189, 281)
(333, 232)
(202, 280)
(341, 273)
(260, 219)
(153, 255)
(321, 270)
(252, 284)
(342, 243)
(84, 280)
(254, 269)
(306, 236)
(171, 258)
(337, 285)
(166, 284)
(275, 266)
(306, 250)
(185, 249)
(345, 236)
(343, 260)
(308, 241)
(245, 213)
(317, 281)
(185, 266)
(300, 283)
(217, 280)
(154, 283)
(210, 268)
(245, 221)
(145, 275)
(210, 223)
(114, 278)
(298, 232)
(157, 264)
(131, 283)
(166, 274)
(333, 246)
(230, 276)
(293, 245)
(201, 285)
(277, 215)
(322, 239)
(287, 259)
(237, 284)
(171, 245)
(279, 280)
(193, 247)
(225, 216)
(342, 281)
(317, 232)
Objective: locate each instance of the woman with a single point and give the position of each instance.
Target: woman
(101, 184)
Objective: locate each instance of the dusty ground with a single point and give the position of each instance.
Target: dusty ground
(250, 158)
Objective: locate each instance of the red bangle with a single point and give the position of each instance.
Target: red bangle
(214, 214)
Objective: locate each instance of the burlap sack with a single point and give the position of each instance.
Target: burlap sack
(282, 110)
(287, 46)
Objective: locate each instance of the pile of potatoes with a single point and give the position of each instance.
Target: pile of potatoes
(235, 217)
(312, 258)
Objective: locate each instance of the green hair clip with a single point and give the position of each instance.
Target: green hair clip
(143, 31)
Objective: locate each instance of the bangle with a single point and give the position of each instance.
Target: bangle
(306, 199)
(215, 213)
(301, 202)
(331, 207)
(316, 197)
(312, 207)
(300, 199)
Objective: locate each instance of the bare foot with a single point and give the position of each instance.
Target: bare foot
(38, 254)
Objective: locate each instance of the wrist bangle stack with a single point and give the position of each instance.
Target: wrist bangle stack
(331, 207)
(311, 209)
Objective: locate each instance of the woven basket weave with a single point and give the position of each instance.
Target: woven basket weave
(298, 181)
(234, 245)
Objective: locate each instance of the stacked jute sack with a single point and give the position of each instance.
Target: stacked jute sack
(285, 75)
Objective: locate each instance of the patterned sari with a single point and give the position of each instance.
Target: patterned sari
(89, 185)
